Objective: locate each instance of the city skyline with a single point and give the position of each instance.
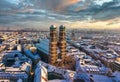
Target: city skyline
(90, 14)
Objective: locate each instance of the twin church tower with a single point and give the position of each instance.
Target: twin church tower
(57, 45)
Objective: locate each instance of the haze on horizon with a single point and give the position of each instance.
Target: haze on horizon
(91, 14)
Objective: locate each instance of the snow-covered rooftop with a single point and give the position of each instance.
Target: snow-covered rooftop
(43, 46)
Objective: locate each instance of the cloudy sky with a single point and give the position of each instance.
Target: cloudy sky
(95, 14)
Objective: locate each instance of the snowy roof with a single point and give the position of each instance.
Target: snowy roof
(117, 75)
(117, 62)
(11, 69)
(12, 53)
(40, 73)
(29, 53)
(83, 76)
(13, 74)
(56, 80)
(102, 78)
(43, 46)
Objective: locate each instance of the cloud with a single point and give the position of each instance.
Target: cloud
(4, 5)
(58, 11)
(55, 5)
(101, 2)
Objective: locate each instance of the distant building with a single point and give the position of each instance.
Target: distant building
(73, 37)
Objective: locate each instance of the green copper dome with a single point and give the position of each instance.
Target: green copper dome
(62, 27)
(53, 27)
